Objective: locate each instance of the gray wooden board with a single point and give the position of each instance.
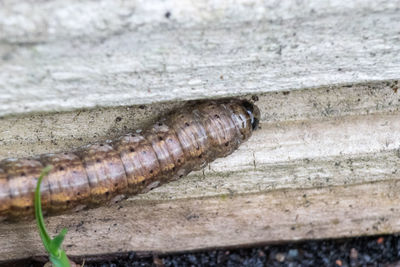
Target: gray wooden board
(59, 57)
(324, 163)
(360, 209)
(326, 167)
(29, 134)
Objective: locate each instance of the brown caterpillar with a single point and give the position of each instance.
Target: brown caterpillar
(95, 174)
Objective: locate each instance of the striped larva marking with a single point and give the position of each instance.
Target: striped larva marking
(184, 141)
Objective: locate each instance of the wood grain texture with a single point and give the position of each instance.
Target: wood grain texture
(62, 55)
(324, 164)
(326, 167)
(47, 132)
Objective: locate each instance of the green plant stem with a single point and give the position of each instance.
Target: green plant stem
(53, 246)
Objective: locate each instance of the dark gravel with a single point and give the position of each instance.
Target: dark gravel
(362, 251)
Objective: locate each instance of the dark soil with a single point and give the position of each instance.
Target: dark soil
(362, 251)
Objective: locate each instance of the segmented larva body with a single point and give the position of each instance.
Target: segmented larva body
(184, 141)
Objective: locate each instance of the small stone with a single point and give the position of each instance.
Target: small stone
(353, 253)
(157, 261)
(280, 257)
(293, 254)
(261, 253)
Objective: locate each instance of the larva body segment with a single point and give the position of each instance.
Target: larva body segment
(184, 141)
(105, 172)
(5, 198)
(21, 176)
(67, 181)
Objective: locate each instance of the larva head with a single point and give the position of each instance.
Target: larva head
(245, 115)
(254, 114)
(224, 125)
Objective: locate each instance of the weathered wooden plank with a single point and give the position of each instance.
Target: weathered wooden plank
(219, 221)
(324, 163)
(327, 167)
(30, 134)
(57, 19)
(60, 58)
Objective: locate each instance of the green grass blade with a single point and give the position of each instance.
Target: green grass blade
(61, 260)
(56, 242)
(57, 256)
(38, 211)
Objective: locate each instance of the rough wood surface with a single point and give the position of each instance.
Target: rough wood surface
(63, 55)
(223, 221)
(324, 167)
(324, 163)
(30, 134)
